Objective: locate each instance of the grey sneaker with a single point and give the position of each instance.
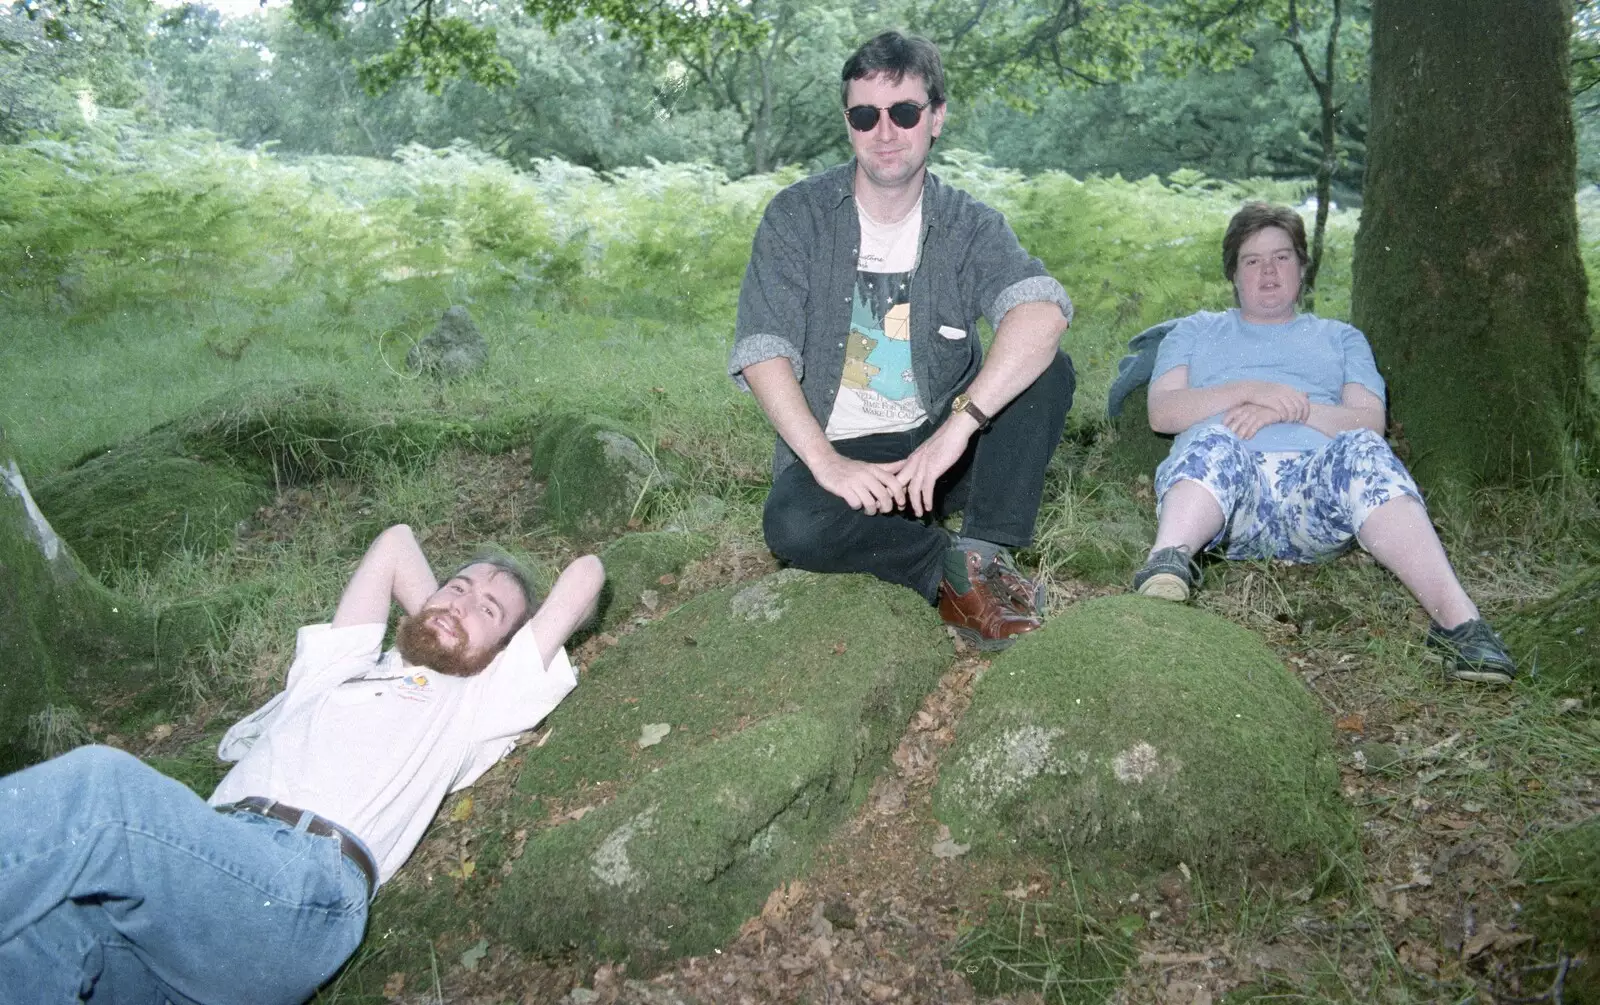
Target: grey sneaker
(1472, 651)
(1168, 574)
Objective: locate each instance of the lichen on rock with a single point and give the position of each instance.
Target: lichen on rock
(1147, 733)
(776, 732)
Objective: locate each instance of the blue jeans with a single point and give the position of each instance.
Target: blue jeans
(119, 884)
(998, 485)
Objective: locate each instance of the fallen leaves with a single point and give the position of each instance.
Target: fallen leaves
(1492, 936)
(1355, 722)
(653, 733)
(472, 957)
(462, 810)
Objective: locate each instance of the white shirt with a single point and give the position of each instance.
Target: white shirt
(361, 739)
(878, 389)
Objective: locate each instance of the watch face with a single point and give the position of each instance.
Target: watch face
(960, 403)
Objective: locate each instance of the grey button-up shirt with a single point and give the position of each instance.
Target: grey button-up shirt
(799, 287)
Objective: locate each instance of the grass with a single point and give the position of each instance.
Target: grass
(615, 296)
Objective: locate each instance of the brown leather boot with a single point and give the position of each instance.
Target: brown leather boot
(984, 616)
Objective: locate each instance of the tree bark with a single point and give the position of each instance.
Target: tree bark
(1467, 277)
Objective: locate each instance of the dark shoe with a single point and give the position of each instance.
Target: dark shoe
(1472, 651)
(1168, 574)
(983, 615)
(1026, 595)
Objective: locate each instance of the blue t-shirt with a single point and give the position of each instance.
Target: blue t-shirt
(1310, 354)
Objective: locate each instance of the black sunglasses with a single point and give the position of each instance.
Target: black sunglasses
(904, 114)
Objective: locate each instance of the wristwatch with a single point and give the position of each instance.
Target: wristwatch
(963, 403)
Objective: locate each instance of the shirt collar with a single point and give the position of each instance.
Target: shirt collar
(842, 188)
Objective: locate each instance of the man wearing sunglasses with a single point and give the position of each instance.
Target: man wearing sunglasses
(857, 332)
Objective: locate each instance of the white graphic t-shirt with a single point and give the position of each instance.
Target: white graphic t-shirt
(878, 392)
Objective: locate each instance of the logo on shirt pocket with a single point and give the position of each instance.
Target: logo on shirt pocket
(951, 332)
(414, 687)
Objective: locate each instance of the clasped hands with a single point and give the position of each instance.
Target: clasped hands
(1266, 402)
(890, 485)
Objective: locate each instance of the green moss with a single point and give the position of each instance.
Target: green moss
(636, 562)
(1477, 318)
(784, 697)
(1560, 637)
(134, 506)
(676, 862)
(1143, 734)
(301, 433)
(71, 644)
(596, 474)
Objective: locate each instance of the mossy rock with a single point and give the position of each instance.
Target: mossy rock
(134, 506)
(295, 434)
(597, 475)
(70, 643)
(1560, 637)
(1562, 872)
(1138, 734)
(635, 564)
(784, 698)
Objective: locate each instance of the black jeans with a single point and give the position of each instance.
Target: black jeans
(997, 485)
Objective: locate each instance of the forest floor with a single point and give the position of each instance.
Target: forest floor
(1444, 779)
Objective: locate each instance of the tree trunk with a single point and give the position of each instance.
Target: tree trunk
(64, 640)
(1467, 278)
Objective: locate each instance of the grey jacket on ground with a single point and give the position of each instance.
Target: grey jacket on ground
(800, 285)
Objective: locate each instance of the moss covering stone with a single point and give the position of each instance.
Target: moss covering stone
(1141, 734)
(66, 641)
(1560, 637)
(134, 506)
(635, 564)
(596, 474)
(784, 698)
(295, 434)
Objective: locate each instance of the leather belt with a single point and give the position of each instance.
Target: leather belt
(349, 845)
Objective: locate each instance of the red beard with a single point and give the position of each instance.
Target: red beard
(421, 646)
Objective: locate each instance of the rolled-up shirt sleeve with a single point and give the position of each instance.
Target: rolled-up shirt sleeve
(772, 299)
(1005, 275)
(1359, 366)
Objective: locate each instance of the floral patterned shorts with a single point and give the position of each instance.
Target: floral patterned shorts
(1297, 505)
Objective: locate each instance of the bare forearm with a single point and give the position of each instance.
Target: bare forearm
(572, 601)
(393, 570)
(1331, 420)
(1173, 411)
(1024, 346)
(772, 382)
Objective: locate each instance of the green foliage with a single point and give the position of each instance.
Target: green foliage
(438, 46)
(133, 507)
(1560, 636)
